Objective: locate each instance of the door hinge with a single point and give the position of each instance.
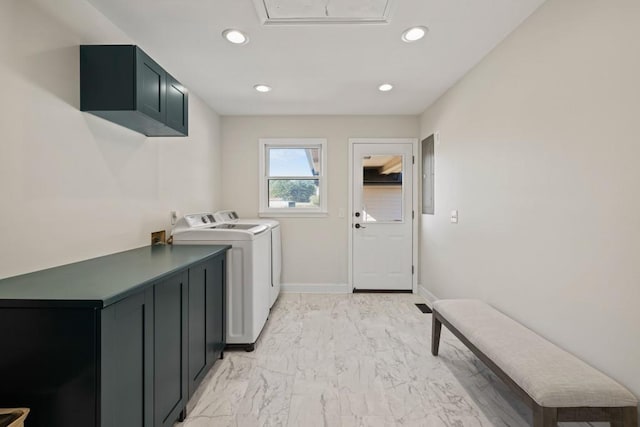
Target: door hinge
(413, 159)
(412, 270)
(413, 214)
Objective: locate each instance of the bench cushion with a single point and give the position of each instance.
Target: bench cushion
(551, 376)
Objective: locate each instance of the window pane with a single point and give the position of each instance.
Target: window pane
(428, 175)
(294, 161)
(294, 193)
(382, 196)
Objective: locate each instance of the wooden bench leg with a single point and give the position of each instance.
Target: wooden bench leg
(436, 329)
(628, 418)
(545, 417)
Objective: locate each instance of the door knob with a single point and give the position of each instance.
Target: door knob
(357, 214)
(359, 226)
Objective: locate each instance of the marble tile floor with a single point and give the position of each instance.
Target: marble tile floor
(353, 360)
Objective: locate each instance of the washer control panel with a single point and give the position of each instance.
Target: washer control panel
(200, 220)
(226, 216)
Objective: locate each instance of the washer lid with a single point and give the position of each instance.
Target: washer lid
(204, 236)
(229, 226)
(217, 233)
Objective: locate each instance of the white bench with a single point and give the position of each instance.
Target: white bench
(556, 385)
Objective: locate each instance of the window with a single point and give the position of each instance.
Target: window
(292, 177)
(428, 175)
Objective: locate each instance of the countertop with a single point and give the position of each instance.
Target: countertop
(99, 282)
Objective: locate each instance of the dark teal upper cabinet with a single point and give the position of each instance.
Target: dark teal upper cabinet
(124, 85)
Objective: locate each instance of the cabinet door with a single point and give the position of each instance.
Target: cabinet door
(127, 362)
(151, 81)
(199, 275)
(206, 315)
(177, 106)
(217, 332)
(170, 348)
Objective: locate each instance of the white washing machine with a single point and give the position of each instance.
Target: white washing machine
(248, 271)
(276, 246)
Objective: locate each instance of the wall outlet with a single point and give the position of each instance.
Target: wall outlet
(173, 215)
(158, 238)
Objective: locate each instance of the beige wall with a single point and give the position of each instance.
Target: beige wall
(539, 152)
(73, 186)
(314, 249)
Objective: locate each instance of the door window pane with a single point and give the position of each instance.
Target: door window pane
(382, 195)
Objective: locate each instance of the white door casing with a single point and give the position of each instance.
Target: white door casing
(382, 247)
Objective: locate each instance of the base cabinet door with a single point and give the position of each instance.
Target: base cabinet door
(206, 317)
(216, 337)
(198, 277)
(127, 362)
(170, 343)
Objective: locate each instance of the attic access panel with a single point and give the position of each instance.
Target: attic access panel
(324, 11)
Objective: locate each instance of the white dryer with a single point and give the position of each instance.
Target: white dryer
(276, 246)
(248, 271)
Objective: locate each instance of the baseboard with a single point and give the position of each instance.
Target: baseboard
(316, 288)
(426, 294)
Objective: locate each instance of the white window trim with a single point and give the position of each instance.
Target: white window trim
(264, 209)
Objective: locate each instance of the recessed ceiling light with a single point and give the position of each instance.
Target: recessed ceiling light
(262, 88)
(385, 87)
(414, 34)
(235, 36)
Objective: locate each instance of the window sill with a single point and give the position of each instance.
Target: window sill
(291, 214)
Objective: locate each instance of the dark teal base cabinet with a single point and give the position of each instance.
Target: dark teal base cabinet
(206, 318)
(135, 361)
(122, 84)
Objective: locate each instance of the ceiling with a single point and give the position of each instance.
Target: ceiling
(387, 163)
(316, 68)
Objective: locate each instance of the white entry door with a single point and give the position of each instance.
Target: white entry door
(382, 216)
